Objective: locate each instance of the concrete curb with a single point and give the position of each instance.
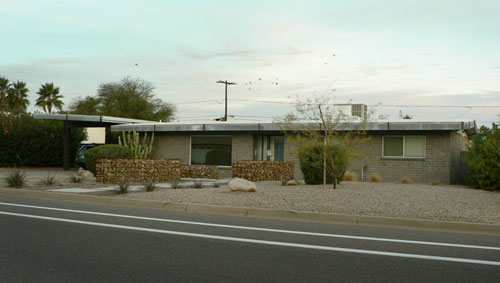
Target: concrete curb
(448, 226)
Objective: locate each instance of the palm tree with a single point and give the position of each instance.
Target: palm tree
(49, 97)
(4, 89)
(18, 97)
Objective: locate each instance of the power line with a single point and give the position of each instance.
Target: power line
(437, 106)
(371, 105)
(194, 102)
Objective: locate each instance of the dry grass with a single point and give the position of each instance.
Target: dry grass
(434, 183)
(406, 180)
(350, 176)
(375, 177)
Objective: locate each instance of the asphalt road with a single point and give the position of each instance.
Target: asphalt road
(54, 241)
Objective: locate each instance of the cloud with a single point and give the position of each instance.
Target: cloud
(206, 54)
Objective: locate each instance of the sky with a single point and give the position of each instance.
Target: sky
(387, 54)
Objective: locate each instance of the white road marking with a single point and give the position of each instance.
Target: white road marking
(257, 228)
(263, 242)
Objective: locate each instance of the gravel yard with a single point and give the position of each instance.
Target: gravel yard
(417, 201)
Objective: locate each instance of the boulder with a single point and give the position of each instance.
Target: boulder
(84, 173)
(241, 185)
(292, 182)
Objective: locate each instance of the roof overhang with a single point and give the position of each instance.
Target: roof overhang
(468, 126)
(88, 120)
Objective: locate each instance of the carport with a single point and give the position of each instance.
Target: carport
(83, 121)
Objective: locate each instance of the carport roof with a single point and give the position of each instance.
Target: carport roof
(77, 120)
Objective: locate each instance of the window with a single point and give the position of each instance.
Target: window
(269, 148)
(211, 150)
(404, 146)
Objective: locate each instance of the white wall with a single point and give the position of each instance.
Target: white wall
(95, 135)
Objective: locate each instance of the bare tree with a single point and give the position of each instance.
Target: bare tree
(319, 119)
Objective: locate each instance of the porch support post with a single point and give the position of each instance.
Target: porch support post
(67, 139)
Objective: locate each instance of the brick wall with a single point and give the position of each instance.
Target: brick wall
(242, 148)
(114, 171)
(178, 146)
(441, 153)
(262, 170)
(458, 143)
(434, 167)
(291, 150)
(168, 146)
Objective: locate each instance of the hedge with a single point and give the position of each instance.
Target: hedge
(105, 151)
(484, 159)
(26, 141)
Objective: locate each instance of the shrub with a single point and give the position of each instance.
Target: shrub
(76, 179)
(434, 183)
(174, 184)
(350, 176)
(285, 179)
(123, 187)
(150, 186)
(375, 177)
(26, 141)
(216, 185)
(105, 151)
(48, 181)
(484, 159)
(311, 163)
(198, 184)
(16, 179)
(406, 180)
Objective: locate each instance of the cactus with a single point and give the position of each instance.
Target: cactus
(140, 149)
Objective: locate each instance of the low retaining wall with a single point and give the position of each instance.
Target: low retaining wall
(263, 170)
(113, 171)
(199, 171)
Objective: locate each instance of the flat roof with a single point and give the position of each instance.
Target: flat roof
(408, 125)
(89, 120)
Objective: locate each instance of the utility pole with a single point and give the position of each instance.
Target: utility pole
(225, 109)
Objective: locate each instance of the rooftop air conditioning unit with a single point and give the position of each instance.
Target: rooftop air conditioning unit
(359, 110)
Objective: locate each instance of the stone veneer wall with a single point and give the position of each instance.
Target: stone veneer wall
(263, 170)
(199, 171)
(113, 171)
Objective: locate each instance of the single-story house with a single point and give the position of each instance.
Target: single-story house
(422, 151)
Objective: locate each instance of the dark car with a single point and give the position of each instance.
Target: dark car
(79, 159)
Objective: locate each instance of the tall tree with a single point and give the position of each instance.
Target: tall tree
(129, 98)
(49, 97)
(4, 89)
(88, 106)
(18, 97)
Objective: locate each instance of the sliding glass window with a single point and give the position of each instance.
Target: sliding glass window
(211, 150)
